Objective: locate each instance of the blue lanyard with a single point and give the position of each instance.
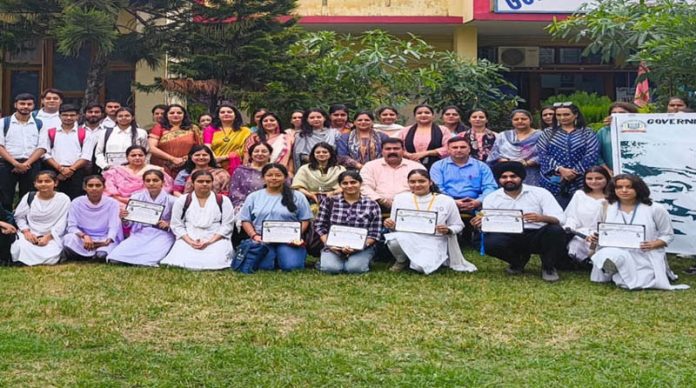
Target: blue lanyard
(633, 213)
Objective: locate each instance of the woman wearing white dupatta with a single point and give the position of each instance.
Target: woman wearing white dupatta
(636, 268)
(41, 223)
(203, 229)
(427, 252)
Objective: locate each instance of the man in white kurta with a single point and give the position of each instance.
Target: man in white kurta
(542, 217)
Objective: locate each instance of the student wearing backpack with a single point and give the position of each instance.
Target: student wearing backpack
(112, 144)
(51, 100)
(41, 218)
(21, 149)
(202, 222)
(67, 153)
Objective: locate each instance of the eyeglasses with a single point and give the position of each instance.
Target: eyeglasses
(562, 104)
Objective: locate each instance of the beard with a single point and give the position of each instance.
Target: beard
(512, 186)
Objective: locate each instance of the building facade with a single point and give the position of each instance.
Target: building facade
(506, 31)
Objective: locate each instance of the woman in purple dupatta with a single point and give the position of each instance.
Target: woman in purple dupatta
(147, 244)
(94, 225)
(519, 145)
(247, 179)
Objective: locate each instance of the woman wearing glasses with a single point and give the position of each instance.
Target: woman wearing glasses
(566, 151)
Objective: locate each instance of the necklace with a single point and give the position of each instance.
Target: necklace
(226, 135)
(430, 204)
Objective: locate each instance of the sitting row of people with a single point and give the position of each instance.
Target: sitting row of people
(194, 230)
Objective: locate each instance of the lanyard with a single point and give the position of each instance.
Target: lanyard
(633, 213)
(430, 205)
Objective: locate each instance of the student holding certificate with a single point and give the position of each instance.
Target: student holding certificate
(149, 241)
(202, 222)
(273, 213)
(646, 266)
(540, 231)
(425, 226)
(348, 225)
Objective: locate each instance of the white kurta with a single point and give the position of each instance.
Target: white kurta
(41, 218)
(201, 223)
(638, 269)
(582, 215)
(428, 252)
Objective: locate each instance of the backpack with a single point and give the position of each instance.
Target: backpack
(6, 123)
(189, 198)
(81, 135)
(248, 256)
(30, 197)
(110, 130)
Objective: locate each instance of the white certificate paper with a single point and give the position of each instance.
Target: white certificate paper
(281, 231)
(416, 221)
(502, 221)
(116, 158)
(346, 237)
(144, 212)
(620, 235)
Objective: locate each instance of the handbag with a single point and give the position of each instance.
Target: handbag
(247, 256)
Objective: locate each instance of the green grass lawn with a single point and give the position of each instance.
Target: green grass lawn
(93, 324)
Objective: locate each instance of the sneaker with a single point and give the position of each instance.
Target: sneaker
(609, 267)
(399, 266)
(550, 275)
(514, 270)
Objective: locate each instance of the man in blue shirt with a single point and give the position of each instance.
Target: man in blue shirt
(463, 178)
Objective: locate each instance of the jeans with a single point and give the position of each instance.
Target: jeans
(288, 257)
(358, 262)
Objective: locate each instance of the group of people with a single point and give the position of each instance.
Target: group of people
(218, 182)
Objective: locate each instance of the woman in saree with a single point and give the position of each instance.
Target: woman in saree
(226, 137)
(171, 140)
(319, 178)
(271, 134)
(123, 181)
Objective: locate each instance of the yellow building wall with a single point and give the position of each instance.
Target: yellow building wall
(381, 7)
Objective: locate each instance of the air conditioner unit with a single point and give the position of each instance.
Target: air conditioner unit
(518, 56)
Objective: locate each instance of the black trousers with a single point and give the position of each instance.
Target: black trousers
(72, 187)
(9, 180)
(5, 242)
(549, 242)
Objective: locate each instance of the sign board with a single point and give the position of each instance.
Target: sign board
(537, 6)
(661, 149)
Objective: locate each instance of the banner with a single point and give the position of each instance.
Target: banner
(661, 149)
(537, 6)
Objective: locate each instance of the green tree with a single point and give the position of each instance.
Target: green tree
(123, 29)
(375, 68)
(229, 50)
(660, 33)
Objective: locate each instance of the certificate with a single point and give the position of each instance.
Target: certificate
(416, 221)
(281, 231)
(620, 235)
(502, 221)
(116, 158)
(346, 237)
(144, 212)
